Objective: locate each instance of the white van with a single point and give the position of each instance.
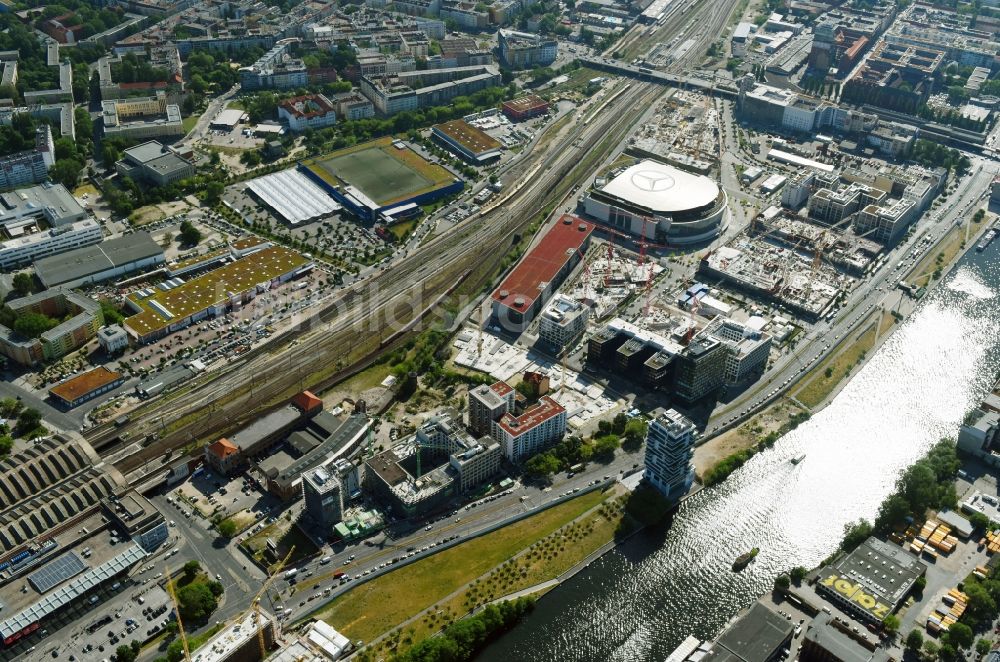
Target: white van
(324, 560)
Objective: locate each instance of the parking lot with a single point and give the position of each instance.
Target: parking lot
(144, 614)
(212, 494)
(339, 236)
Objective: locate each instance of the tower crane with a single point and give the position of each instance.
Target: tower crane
(177, 612)
(255, 604)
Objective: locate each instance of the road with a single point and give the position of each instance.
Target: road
(388, 301)
(877, 292)
(412, 540)
(201, 126)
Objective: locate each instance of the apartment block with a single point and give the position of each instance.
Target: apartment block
(488, 404)
(521, 50)
(669, 449)
(536, 429)
(30, 166)
(276, 69)
(562, 321)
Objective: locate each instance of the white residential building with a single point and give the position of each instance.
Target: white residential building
(562, 321)
(669, 449)
(487, 404)
(522, 436)
(25, 249)
(112, 338)
(749, 349)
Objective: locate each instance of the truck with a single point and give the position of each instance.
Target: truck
(289, 574)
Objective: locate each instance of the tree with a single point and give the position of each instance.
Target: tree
(110, 154)
(191, 569)
(23, 283)
(197, 602)
(798, 573)
(189, 234)
(213, 192)
(541, 465)
(914, 640)
(32, 325)
(29, 419)
(960, 635)
(605, 447)
(982, 606)
(782, 582)
(978, 520)
(635, 433)
(227, 528)
(891, 623)
(124, 653)
(66, 172)
(855, 533)
(983, 646)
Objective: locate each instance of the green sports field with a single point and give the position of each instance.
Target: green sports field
(381, 171)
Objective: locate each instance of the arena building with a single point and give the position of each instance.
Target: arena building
(677, 207)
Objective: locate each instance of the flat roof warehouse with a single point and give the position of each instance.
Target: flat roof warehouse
(543, 263)
(474, 142)
(293, 196)
(163, 306)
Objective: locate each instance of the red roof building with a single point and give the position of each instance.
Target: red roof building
(307, 402)
(521, 295)
(522, 436)
(524, 108)
(224, 456)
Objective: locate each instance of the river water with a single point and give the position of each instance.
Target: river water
(641, 600)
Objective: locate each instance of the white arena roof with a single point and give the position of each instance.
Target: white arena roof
(293, 195)
(662, 188)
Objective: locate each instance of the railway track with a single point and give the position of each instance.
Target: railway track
(388, 306)
(228, 397)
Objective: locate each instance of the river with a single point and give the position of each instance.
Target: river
(641, 600)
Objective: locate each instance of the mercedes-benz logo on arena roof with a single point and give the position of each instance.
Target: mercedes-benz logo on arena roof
(651, 180)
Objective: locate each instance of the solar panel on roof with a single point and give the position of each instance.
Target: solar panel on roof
(56, 572)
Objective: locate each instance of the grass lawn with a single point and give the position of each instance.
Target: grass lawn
(285, 534)
(146, 215)
(383, 603)
(242, 520)
(189, 122)
(578, 81)
(400, 230)
(944, 253)
(547, 559)
(89, 189)
(817, 385)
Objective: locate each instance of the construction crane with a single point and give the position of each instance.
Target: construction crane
(585, 274)
(177, 612)
(420, 445)
(255, 605)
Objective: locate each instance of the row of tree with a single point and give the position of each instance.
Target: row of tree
(463, 639)
(928, 153)
(573, 450)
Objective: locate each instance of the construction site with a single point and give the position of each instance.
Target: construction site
(684, 131)
(792, 263)
(611, 275)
